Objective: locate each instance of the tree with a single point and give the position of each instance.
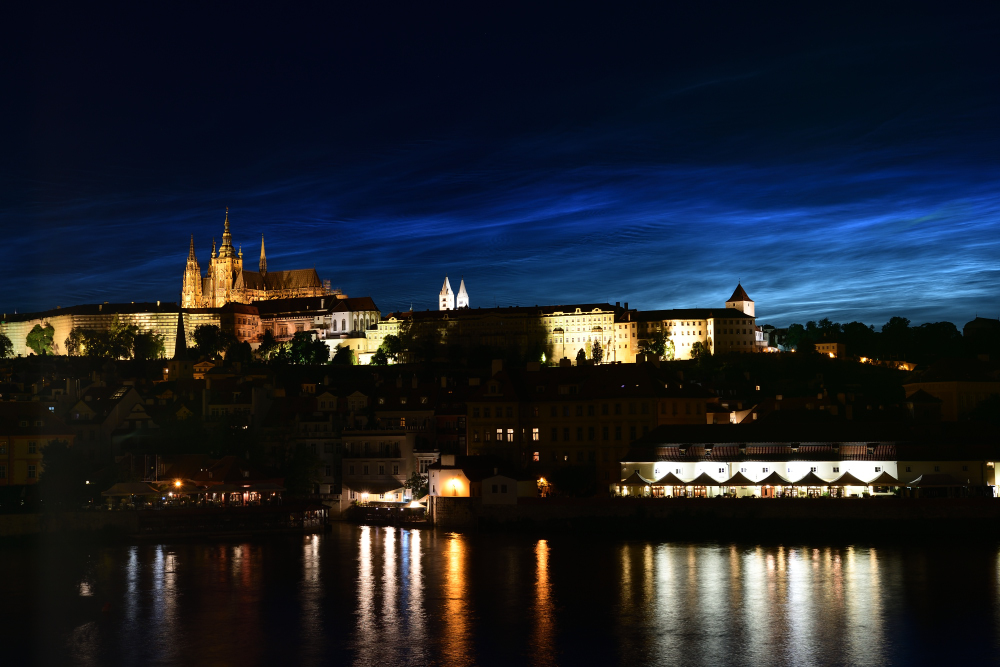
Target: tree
(896, 338)
(655, 345)
(39, 339)
(670, 350)
(700, 352)
(268, 346)
(210, 341)
(598, 352)
(380, 358)
(307, 350)
(6, 347)
(581, 357)
(344, 356)
(393, 348)
(76, 342)
(417, 484)
(148, 345)
(239, 352)
(121, 339)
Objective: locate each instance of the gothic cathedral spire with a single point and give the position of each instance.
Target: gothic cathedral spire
(263, 258)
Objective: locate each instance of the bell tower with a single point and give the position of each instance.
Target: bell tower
(740, 301)
(446, 298)
(462, 300)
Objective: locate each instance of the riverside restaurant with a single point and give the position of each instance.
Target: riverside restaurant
(839, 460)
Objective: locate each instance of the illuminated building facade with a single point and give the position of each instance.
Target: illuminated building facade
(720, 330)
(809, 459)
(226, 280)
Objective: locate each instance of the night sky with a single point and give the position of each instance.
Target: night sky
(842, 162)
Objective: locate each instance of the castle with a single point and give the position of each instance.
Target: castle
(226, 281)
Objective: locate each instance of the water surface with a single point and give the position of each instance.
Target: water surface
(368, 595)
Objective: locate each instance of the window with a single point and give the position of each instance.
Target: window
(579, 433)
(836, 469)
(743, 469)
(618, 432)
(677, 471)
(555, 434)
(494, 488)
(534, 456)
(765, 469)
(510, 412)
(553, 412)
(618, 408)
(566, 433)
(908, 469)
(486, 412)
(813, 469)
(590, 410)
(590, 433)
(475, 413)
(475, 436)
(534, 411)
(722, 470)
(565, 411)
(965, 468)
(631, 432)
(878, 469)
(499, 434)
(364, 470)
(503, 488)
(604, 409)
(631, 408)
(604, 433)
(579, 411)
(32, 447)
(936, 469)
(31, 472)
(510, 435)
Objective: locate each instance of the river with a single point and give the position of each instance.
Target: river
(390, 596)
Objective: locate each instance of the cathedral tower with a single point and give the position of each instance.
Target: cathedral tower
(191, 286)
(462, 300)
(446, 298)
(263, 259)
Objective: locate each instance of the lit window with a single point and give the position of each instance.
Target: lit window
(534, 436)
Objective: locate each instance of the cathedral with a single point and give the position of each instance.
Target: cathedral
(226, 281)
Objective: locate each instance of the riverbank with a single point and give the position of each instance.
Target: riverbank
(731, 518)
(170, 523)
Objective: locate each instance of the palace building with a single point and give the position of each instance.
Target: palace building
(226, 280)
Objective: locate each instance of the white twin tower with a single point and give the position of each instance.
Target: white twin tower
(447, 299)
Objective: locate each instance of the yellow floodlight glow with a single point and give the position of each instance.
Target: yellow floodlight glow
(177, 483)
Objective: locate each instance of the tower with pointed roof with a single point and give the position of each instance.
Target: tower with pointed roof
(462, 299)
(191, 286)
(446, 297)
(740, 301)
(263, 258)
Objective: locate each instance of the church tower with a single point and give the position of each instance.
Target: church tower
(224, 268)
(462, 300)
(263, 259)
(446, 298)
(191, 286)
(740, 301)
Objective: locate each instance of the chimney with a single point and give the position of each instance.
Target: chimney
(618, 304)
(626, 305)
(497, 366)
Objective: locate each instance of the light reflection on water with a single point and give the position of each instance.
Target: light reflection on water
(368, 595)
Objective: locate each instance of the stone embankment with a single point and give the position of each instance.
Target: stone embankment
(730, 517)
(169, 522)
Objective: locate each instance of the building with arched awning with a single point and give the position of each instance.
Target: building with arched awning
(810, 459)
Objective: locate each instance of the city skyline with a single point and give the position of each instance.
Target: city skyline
(839, 169)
